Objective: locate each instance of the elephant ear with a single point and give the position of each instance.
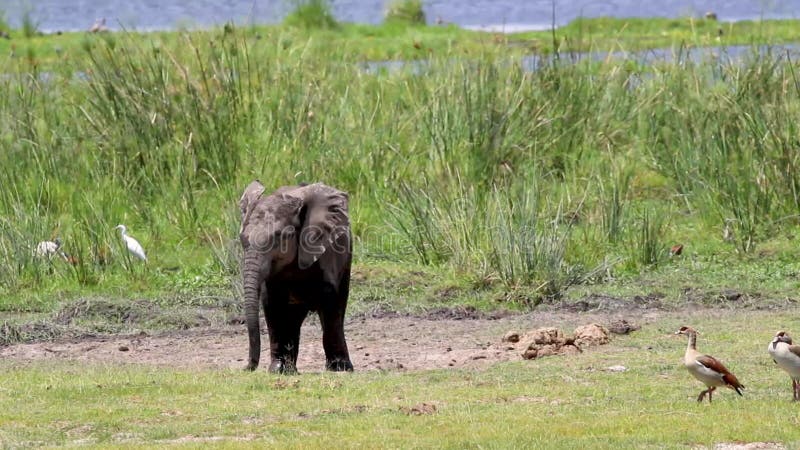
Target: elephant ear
(325, 222)
(251, 195)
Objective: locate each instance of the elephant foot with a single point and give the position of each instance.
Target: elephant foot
(282, 367)
(339, 365)
(251, 367)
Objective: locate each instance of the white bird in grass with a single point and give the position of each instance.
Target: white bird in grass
(133, 245)
(48, 249)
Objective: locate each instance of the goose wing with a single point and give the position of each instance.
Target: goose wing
(714, 364)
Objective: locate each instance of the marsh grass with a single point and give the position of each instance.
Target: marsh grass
(478, 166)
(30, 26)
(4, 26)
(408, 12)
(650, 245)
(311, 14)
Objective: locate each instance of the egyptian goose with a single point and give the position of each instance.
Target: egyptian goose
(707, 368)
(787, 357)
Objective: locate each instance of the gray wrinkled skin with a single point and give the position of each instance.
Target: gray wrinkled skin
(297, 257)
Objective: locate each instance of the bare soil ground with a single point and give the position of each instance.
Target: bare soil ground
(377, 341)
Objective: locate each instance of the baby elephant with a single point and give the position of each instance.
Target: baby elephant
(297, 255)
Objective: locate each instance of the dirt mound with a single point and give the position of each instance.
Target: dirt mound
(547, 342)
(440, 313)
(551, 341)
(749, 446)
(29, 332)
(608, 303)
(89, 317)
(591, 335)
(134, 312)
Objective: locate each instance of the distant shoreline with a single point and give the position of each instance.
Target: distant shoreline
(498, 27)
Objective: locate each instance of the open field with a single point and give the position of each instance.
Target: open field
(188, 388)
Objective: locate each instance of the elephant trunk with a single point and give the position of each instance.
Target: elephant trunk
(252, 277)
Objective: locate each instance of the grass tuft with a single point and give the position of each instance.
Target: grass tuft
(408, 12)
(311, 14)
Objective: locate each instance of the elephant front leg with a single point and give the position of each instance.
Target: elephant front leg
(331, 315)
(284, 322)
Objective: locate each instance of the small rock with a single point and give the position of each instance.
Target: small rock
(749, 446)
(123, 348)
(616, 368)
(622, 327)
(730, 295)
(511, 336)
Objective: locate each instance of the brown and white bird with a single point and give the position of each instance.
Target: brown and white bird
(99, 26)
(787, 357)
(707, 368)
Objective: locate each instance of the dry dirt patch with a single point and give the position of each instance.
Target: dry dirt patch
(387, 343)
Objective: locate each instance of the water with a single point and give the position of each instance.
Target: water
(501, 15)
(720, 56)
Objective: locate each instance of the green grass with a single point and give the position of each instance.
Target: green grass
(511, 184)
(555, 402)
(311, 15)
(404, 11)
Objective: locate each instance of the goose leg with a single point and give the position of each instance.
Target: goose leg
(711, 393)
(701, 396)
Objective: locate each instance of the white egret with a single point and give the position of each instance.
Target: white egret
(133, 245)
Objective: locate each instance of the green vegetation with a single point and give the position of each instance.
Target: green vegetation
(519, 184)
(405, 11)
(30, 27)
(311, 14)
(4, 27)
(311, 30)
(557, 402)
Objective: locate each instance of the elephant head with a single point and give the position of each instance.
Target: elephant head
(292, 228)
